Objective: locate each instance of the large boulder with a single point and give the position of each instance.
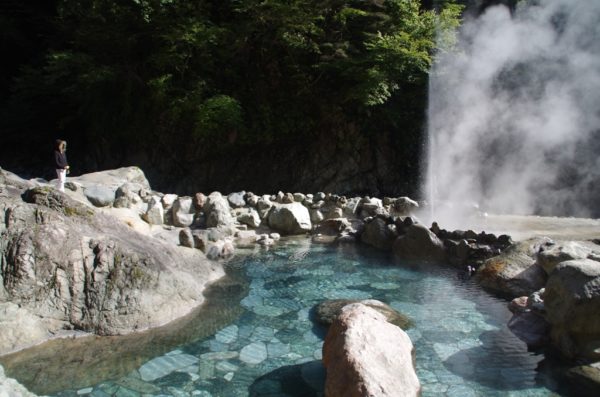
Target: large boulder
(572, 302)
(514, 272)
(553, 254)
(69, 266)
(418, 243)
(378, 234)
(113, 179)
(367, 356)
(290, 218)
(218, 212)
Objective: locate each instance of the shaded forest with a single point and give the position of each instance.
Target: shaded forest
(296, 95)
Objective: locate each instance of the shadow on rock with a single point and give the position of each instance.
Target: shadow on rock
(302, 380)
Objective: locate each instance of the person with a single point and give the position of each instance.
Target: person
(62, 166)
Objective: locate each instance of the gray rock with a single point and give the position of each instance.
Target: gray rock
(377, 234)
(99, 195)
(155, 214)
(514, 272)
(403, 206)
(333, 227)
(78, 268)
(250, 218)
(299, 197)
(316, 216)
(419, 244)
(367, 356)
(550, 256)
(186, 238)
(218, 212)
(246, 236)
(236, 200)
(199, 201)
(128, 196)
(290, 218)
(183, 212)
(572, 302)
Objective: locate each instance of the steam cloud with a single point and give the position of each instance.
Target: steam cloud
(514, 115)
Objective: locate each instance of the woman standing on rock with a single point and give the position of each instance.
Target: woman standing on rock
(62, 167)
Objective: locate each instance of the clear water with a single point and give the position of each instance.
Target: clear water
(273, 348)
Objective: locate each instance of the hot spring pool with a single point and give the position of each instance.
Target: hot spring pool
(270, 347)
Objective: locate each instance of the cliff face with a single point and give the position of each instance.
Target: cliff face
(65, 266)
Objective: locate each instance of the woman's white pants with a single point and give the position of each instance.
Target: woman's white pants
(62, 177)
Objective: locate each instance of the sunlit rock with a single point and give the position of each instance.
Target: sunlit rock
(367, 356)
(290, 218)
(514, 272)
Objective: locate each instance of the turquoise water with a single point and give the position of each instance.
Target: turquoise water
(273, 348)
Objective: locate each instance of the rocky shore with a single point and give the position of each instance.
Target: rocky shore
(111, 256)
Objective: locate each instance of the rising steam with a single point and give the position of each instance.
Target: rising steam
(514, 117)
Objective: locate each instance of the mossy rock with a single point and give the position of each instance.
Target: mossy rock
(326, 312)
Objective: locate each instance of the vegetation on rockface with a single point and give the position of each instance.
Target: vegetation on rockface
(172, 85)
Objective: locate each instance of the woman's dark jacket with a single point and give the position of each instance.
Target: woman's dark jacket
(60, 159)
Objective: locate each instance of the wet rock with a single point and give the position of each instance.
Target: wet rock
(572, 302)
(246, 236)
(367, 356)
(254, 353)
(585, 380)
(514, 272)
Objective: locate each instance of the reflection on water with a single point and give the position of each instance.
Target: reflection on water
(266, 344)
(79, 362)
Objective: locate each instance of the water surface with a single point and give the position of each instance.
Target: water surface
(268, 345)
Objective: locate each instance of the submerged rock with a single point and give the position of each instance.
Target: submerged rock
(327, 311)
(367, 356)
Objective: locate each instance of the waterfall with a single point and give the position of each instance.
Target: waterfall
(514, 115)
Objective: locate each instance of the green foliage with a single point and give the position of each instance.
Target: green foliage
(146, 72)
